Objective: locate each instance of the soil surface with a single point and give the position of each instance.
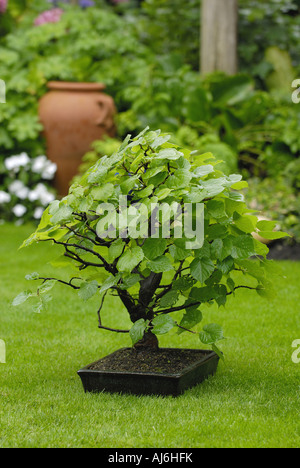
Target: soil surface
(163, 361)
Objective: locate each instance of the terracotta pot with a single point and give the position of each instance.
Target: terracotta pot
(74, 115)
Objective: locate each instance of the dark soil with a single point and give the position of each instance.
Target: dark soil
(163, 361)
(283, 251)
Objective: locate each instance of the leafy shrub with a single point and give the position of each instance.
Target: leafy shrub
(155, 273)
(263, 25)
(90, 45)
(277, 200)
(171, 27)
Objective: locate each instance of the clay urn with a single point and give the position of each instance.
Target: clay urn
(74, 115)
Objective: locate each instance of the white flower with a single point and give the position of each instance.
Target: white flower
(38, 213)
(16, 162)
(19, 189)
(19, 210)
(49, 172)
(42, 165)
(24, 159)
(4, 197)
(38, 164)
(42, 194)
(33, 195)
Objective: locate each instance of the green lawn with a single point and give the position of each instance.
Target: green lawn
(252, 401)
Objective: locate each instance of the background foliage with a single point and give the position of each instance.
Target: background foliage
(147, 54)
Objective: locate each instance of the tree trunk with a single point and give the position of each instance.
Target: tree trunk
(148, 343)
(219, 25)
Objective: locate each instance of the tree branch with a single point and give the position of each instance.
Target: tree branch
(113, 329)
(60, 281)
(198, 303)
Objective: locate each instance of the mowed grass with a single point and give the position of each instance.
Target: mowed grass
(252, 401)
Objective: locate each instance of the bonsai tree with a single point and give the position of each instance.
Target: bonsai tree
(163, 229)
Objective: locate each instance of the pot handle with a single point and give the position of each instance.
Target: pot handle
(107, 112)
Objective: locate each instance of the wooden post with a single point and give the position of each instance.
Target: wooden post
(219, 33)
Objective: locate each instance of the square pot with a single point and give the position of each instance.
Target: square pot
(204, 364)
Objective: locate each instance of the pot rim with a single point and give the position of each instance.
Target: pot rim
(208, 355)
(75, 86)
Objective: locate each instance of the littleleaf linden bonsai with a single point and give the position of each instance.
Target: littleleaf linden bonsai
(163, 279)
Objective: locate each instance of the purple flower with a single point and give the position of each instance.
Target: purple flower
(3, 6)
(86, 3)
(82, 3)
(49, 16)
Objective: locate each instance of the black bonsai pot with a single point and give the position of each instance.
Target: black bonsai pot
(168, 371)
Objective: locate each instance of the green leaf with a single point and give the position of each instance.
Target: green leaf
(213, 187)
(179, 253)
(230, 284)
(183, 284)
(168, 153)
(180, 179)
(211, 334)
(144, 193)
(137, 331)
(217, 231)
(232, 90)
(190, 319)
(246, 223)
(97, 174)
(220, 294)
(216, 208)
(47, 286)
(129, 184)
(243, 247)
(32, 276)
(202, 171)
(266, 225)
(130, 281)
(240, 185)
(204, 294)
(87, 290)
(163, 193)
(160, 265)
(221, 248)
(38, 308)
(21, 298)
(217, 351)
(109, 282)
(226, 265)
(266, 291)
(116, 249)
(273, 235)
(162, 324)
(201, 269)
(169, 299)
(154, 248)
(62, 215)
(103, 192)
(130, 259)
